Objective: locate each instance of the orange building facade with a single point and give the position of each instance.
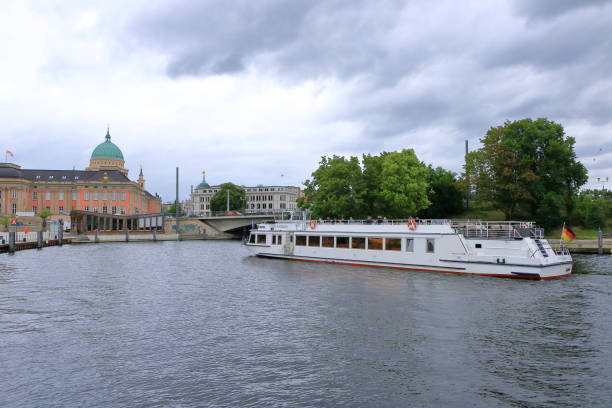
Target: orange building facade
(104, 187)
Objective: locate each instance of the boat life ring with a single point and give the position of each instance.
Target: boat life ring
(312, 224)
(412, 224)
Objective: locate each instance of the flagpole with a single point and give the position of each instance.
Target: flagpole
(561, 236)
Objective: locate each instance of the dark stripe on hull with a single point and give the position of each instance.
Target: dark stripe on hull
(529, 276)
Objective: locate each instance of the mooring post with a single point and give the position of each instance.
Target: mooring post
(600, 242)
(12, 241)
(39, 239)
(154, 234)
(96, 239)
(127, 234)
(60, 233)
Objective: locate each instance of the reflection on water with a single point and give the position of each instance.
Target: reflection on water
(203, 324)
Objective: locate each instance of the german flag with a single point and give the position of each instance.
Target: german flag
(567, 234)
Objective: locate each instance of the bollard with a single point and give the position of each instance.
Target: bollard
(11, 241)
(600, 242)
(96, 239)
(39, 239)
(127, 235)
(154, 235)
(60, 237)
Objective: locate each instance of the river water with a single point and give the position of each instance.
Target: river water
(190, 324)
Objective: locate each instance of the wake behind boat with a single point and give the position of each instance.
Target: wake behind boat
(505, 249)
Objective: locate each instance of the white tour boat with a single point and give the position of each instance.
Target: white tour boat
(501, 249)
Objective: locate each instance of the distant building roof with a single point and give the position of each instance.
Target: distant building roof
(203, 184)
(59, 175)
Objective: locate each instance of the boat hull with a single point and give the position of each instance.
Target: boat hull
(529, 272)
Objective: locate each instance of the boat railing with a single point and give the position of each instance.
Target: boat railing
(474, 229)
(373, 221)
(561, 251)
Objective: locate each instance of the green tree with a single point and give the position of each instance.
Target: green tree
(4, 221)
(444, 193)
(392, 185)
(590, 212)
(336, 189)
(527, 168)
(172, 210)
(237, 198)
(403, 185)
(44, 214)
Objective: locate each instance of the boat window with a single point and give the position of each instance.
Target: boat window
(342, 242)
(300, 240)
(478, 245)
(314, 240)
(273, 239)
(430, 246)
(279, 240)
(358, 242)
(393, 244)
(328, 242)
(261, 238)
(375, 243)
(409, 245)
(252, 239)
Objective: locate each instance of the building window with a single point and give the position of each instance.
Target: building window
(123, 210)
(14, 208)
(34, 209)
(61, 196)
(409, 245)
(48, 208)
(114, 210)
(123, 196)
(105, 195)
(35, 195)
(202, 206)
(47, 196)
(95, 196)
(263, 206)
(104, 209)
(114, 196)
(86, 208)
(74, 196)
(95, 209)
(283, 197)
(61, 208)
(14, 194)
(430, 246)
(86, 196)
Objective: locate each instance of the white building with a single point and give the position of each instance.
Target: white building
(258, 199)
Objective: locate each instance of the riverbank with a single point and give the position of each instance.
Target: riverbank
(20, 246)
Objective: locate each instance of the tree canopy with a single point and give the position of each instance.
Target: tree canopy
(172, 210)
(444, 194)
(392, 185)
(527, 168)
(237, 198)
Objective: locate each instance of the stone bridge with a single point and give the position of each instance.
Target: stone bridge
(217, 226)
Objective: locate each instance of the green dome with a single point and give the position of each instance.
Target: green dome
(203, 184)
(107, 150)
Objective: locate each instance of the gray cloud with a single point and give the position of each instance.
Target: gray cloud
(542, 9)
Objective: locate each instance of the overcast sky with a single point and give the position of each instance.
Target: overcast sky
(256, 91)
